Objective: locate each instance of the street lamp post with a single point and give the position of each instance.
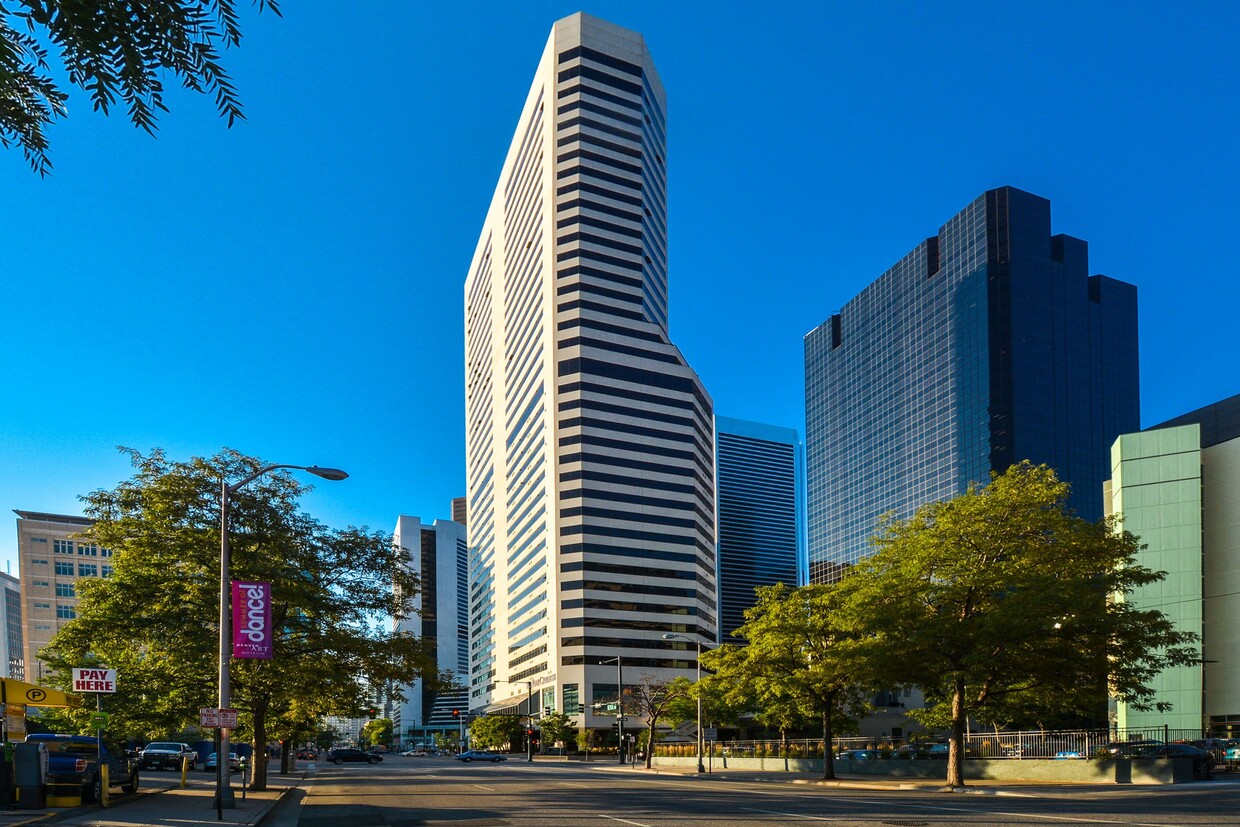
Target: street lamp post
(223, 789)
(619, 704)
(700, 750)
(529, 715)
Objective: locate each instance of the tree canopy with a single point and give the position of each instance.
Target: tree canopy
(496, 731)
(800, 665)
(117, 51)
(1000, 602)
(155, 619)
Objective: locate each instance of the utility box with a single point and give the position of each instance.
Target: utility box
(30, 775)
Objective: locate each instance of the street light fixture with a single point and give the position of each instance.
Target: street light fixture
(619, 705)
(224, 798)
(674, 636)
(529, 715)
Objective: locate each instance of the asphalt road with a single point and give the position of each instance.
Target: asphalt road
(429, 792)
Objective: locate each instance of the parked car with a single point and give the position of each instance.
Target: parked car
(480, 755)
(1203, 761)
(414, 753)
(75, 759)
(1070, 753)
(859, 754)
(307, 755)
(167, 754)
(1131, 749)
(346, 754)
(234, 761)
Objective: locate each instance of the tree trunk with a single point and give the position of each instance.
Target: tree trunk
(258, 760)
(828, 759)
(955, 753)
(783, 747)
(650, 743)
(286, 760)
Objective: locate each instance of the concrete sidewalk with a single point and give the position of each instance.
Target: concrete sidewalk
(164, 806)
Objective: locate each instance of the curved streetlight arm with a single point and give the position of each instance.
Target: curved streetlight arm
(223, 789)
(334, 474)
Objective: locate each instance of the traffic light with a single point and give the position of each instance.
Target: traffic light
(581, 709)
(456, 713)
(615, 726)
(373, 712)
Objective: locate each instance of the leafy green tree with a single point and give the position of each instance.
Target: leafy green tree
(377, 731)
(586, 739)
(1001, 600)
(496, 731)
(649, 700)
(800, 664)
(117, 51)
(156, 618)
(555, 728)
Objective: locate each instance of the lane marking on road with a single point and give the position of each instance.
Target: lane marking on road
(574, 784)
(625, 821)
(798, 815)
(483, 787)
(942, 808)
(981, 811)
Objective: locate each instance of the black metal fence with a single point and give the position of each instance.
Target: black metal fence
(1059, 744)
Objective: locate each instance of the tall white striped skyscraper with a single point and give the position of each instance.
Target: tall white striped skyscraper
(589, 439)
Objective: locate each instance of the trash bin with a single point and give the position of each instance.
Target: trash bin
(30, 775)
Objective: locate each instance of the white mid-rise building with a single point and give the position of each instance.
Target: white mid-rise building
(438, 555)
(589, 439)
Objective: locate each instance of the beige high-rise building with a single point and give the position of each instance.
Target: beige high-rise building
(52, 561)
(589, 438)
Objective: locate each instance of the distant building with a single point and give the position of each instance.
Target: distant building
(1177, 487)
(589, 438)
(51, 561)
(460, 511)
(12, 654)
(760, 476)
(988, 344)
(440, 558)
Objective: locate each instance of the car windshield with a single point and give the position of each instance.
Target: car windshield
(163, 746)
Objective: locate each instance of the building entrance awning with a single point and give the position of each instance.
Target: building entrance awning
(513, 705)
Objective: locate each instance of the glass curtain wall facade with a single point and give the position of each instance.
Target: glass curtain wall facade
(987, 344)
(760, 492)
(589, 438)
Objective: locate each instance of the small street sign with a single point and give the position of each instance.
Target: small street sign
(217, 718)
(710, 733)
(99, 720)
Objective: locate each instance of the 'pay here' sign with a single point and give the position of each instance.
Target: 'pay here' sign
(94, 680)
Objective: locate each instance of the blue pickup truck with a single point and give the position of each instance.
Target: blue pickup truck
(74, 760)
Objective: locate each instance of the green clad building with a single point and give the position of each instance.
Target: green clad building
(1177, 487)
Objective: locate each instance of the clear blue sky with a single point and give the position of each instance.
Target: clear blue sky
(292, 288)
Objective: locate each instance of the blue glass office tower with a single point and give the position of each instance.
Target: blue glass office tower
(759, 493)
(988, 344)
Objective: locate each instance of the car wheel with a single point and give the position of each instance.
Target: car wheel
(94, 790)
(467, 760)
(372, 760)
(337, 760)
(132, 786)
(496, 760)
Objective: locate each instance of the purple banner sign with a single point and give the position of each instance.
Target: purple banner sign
(251, 612)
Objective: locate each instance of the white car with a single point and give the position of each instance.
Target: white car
(415, 753)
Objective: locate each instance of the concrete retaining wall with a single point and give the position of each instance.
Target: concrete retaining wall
(1117, 771)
